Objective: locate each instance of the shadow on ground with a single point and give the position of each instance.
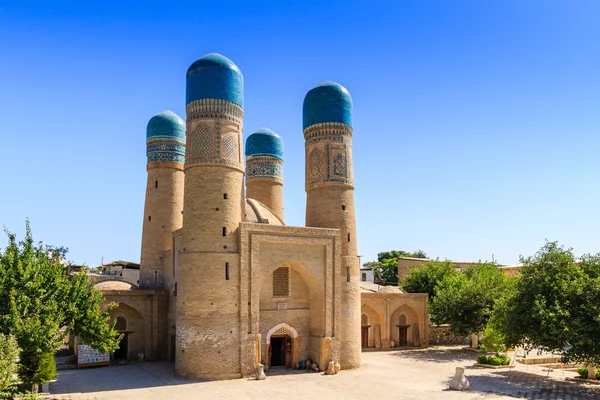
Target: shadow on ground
(438, 355)
(531, 386)
(118, 377)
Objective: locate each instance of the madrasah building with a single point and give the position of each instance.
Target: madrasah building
(224, 284)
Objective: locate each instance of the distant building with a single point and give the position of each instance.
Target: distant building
(405, 264)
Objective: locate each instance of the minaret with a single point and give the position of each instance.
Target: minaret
(208, 321)
(264, 170)
(165, 150)
(327, 124)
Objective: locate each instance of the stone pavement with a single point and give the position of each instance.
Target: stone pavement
(407, 374)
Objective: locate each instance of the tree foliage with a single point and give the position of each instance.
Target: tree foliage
(9, 351)
(427, 277)
(466, 300)
(38, 297)
(386, 267)
(555, 305)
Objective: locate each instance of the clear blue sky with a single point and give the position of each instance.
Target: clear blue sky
(476, 123)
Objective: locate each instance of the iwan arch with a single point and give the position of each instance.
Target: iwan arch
(224, 283)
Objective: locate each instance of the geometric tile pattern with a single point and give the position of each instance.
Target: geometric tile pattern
(316, 164)
(339, 165)
(329, 154)
(281, 282)
(214, 130)
(230, 148)
(165, 150)
(264, 167)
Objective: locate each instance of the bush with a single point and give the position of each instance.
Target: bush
(36, 369)
(8, 355)
(497, 359)
(583, 372)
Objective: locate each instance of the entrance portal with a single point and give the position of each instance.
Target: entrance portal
(365, 336)
(278, 350)
(403, 335)
(121, 352)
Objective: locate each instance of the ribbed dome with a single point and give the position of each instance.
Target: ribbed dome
(166, 125)
(214, 76)
(327, 102)
(264, 142)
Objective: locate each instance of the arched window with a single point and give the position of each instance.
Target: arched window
(364, 320)
(121, 324)
(402, 320)
(281, 282)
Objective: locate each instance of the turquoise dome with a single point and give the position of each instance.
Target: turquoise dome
(214, 76)
(264, 142)
(166, 124)
(327, 102)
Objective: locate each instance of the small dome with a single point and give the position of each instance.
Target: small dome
(264, 142)
(327, 102)
(113, 284)
(214, 76)
(166, 125)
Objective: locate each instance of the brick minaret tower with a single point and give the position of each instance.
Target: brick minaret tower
(165, 150)
(327, 124)
(208, 328)
(264, 170)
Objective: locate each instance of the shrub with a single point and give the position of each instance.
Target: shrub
(8, 355)
(36, 369)
(583, 372)
(497, 359)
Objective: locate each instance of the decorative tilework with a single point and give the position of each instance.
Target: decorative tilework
(230, 148)
(316, 163)
(334, 165)
(339, 165)
(165, 149)
(225, 118)
(264, 167)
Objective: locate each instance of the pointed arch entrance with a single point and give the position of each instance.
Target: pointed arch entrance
(280, 345)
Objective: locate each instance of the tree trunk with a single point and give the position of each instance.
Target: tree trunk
(474, 343)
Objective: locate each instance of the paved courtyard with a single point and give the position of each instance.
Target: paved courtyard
(409, 374)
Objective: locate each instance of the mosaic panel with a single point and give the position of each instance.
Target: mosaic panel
(230, 148)
(264, 167)
(335, 165)
(316, 164)
(165, 149)
(339, 165)
(225, 115)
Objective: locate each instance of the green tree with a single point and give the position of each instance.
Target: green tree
(386, 267)
(425, 278)
(8, 356)
(38, 296)
(466, 300)
(555, 305)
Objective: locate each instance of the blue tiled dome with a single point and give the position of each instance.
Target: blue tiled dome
(327, 102)
(264, 142)
(214, 76)
(166, 125)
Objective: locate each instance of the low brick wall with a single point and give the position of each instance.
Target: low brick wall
(440, 335)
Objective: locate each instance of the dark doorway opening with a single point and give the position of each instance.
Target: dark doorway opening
(365, 336)
(121, 352)
(403, 335)
(278, 351)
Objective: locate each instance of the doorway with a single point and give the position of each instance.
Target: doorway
(278, 350)
(121, 352)
(365, 336)
(403, 335)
